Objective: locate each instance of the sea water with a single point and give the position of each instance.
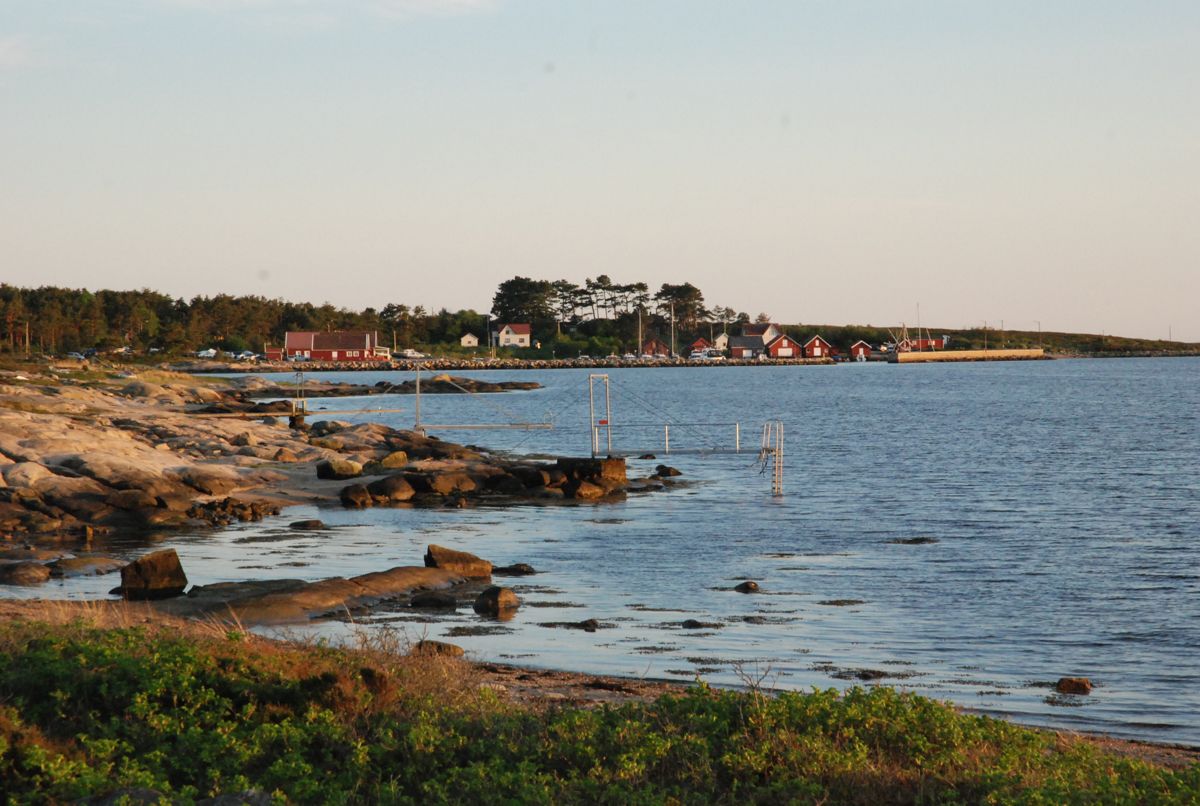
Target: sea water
(971, 532)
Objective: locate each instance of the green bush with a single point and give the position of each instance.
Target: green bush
(89, 711)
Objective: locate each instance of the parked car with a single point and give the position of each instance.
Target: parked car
(246, 355)
(629, 357)
(211, 352)
(409, 352)
(77, 356)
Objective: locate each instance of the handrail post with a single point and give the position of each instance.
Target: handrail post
(667, 438)
(737, 437)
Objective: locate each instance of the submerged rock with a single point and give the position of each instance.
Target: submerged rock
(495, 600)
(514, 570)
(1073, 685)
(433, 600)
(312, 523)
(84, 566)
(666, 471)
(749, 586)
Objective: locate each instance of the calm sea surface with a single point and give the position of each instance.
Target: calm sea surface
(1060, 502)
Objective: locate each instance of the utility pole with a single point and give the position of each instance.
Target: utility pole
(672, 330)
(640, 344)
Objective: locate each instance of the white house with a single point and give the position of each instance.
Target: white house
(469, 340)
(721, 342)
(514, 335)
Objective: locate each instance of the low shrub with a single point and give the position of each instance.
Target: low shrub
(87, 711)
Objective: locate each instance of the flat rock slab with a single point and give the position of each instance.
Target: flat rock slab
(293, 601)
(85, 566)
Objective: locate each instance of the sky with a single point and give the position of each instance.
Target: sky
(1022, 164)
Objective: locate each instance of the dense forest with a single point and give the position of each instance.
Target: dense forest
(597, 318)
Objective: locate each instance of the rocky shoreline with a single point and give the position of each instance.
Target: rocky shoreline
(81, 457)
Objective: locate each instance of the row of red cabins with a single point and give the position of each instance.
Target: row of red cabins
(768, 341)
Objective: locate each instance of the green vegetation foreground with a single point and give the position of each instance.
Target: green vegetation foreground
(90, 711)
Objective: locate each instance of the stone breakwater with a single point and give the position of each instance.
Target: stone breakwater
(462, 483)
(453, 364)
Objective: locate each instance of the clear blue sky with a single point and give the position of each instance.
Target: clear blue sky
(818, 161)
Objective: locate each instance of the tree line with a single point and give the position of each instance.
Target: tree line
(58, 320)
(598, 317)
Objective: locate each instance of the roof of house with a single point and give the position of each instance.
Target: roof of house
(758, 328)
(469, 336)
(817, 338)
(745, 342)
(520, 329)
(860, 341)
(703, 342)
(337, 340)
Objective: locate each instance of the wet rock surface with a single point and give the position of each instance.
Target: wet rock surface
(495, 600)
(1073, 685)
(157, 575)
(460, 562)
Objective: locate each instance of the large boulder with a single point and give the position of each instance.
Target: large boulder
(210, 479)
(338, 469)
(390, 490)
(436, 648)
(531, 476)
(451, 482)
(461, 562)
(355, 496)
(394, 460)
(158, 575)
(23, 573)
(504, 484)
(593, 469)
(586, 490)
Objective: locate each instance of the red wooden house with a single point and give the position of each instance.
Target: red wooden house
(817, 347)
(655, 347)
(700, 345)
(339, 345)
(783, 346)
(860, 351)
